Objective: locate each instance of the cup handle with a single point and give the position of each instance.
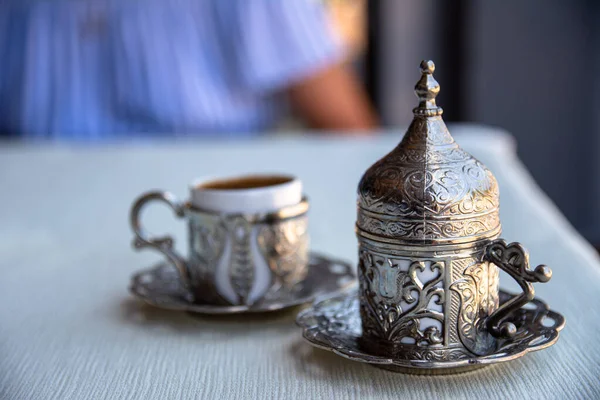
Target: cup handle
(514, 260)
(163, 244)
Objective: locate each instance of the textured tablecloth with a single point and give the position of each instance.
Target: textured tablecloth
(70, 330)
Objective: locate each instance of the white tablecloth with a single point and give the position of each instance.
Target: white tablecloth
(70, 330)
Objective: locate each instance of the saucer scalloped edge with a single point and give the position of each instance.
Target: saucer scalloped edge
(161, 287)
(334, 324)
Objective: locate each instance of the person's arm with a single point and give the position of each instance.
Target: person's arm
(289, 46)
(332, 99)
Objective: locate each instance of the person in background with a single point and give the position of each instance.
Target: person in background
(99, 69)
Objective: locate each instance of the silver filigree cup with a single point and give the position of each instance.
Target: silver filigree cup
(428, 228)
(230, 250)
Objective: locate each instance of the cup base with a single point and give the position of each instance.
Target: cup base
(334, 324)
(161, 287)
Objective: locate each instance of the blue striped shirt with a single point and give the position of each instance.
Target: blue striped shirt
(93, 69)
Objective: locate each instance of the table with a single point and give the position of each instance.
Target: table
(70, 330)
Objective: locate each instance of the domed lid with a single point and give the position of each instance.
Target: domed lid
(428, 190)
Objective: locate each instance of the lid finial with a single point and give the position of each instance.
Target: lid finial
(426, 89)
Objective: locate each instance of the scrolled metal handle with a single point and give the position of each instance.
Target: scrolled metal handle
(514, 260)
(163, 244)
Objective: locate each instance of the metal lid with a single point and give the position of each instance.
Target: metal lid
(428, 190)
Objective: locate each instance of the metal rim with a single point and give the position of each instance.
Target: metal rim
(281, 214)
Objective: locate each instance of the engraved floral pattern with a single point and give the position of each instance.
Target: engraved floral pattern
(241, 265)
(441, 229)
(477, 302)
(285, 246)
(430, 188)
(384, 287)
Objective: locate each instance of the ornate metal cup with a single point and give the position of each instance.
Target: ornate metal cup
(428, 228)
(236, 257)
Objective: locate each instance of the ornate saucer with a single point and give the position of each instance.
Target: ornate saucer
(160, 286)
(334, 324)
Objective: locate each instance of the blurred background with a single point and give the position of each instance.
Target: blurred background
(530, 67)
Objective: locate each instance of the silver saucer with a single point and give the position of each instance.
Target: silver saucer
(160, 286)
(334, 324)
